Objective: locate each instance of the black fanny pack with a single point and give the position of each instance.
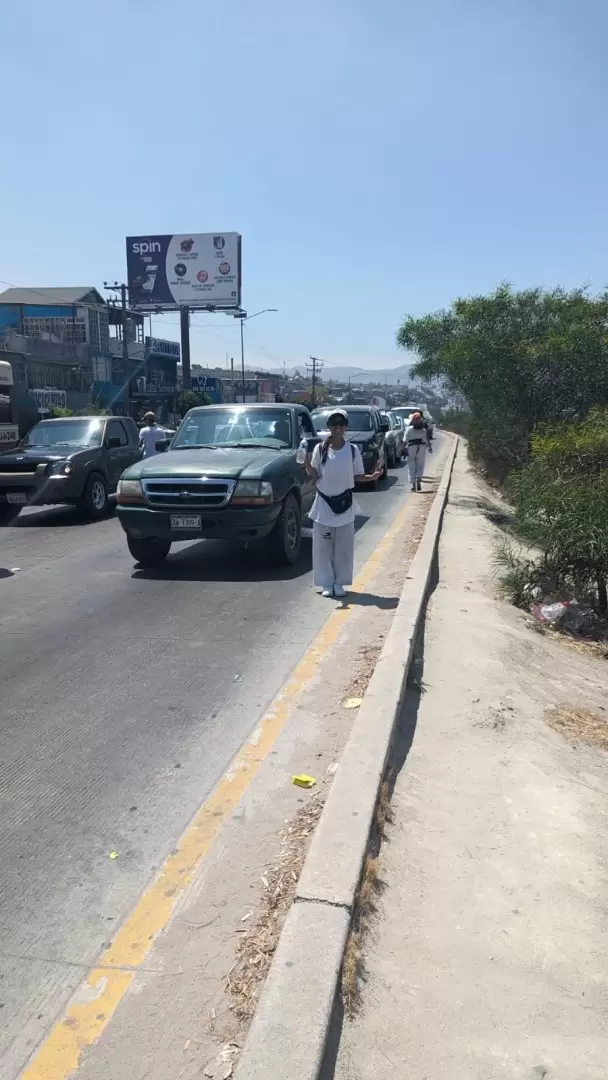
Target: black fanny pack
(338, 504)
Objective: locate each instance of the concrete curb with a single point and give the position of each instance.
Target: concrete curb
(289, 1030)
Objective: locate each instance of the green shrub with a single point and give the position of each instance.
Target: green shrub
(561, 501)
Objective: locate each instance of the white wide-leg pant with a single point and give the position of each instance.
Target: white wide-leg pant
(333, 549)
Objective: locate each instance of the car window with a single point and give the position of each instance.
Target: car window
(115, 430)
(305, 426)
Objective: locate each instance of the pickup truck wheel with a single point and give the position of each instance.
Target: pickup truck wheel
(149, 552)
(94, 501)
(286, 536)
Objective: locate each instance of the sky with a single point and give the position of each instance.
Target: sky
(379, 157)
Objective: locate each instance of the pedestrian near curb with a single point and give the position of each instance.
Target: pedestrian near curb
(417, 443)
(335, 466)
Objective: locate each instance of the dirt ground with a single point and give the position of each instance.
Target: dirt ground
(488, 955)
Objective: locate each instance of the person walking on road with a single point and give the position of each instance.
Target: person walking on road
(149, 435)
(335, 465)
(417, 442)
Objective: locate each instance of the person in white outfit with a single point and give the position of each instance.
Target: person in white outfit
(417, 442)
(149, 435)
(335, 465)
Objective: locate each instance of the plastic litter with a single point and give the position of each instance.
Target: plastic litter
(303, 781)
(550, 613)
(352, 702)
(113, 855)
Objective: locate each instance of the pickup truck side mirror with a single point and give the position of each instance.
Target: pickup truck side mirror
(384, 425)
(113, 442)
(161, 446)
(311, 442)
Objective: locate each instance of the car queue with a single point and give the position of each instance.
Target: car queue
(230, 471)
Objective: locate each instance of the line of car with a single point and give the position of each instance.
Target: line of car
(230, 471)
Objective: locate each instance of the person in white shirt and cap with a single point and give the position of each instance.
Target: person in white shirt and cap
(149, 435)
(335, 465)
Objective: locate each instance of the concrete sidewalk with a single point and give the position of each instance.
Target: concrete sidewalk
(489, 954)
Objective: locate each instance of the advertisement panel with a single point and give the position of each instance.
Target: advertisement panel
(200, 270)
(163, 346)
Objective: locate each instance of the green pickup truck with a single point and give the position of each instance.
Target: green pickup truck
(231, 473)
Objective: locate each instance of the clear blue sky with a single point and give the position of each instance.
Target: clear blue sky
(378, 156)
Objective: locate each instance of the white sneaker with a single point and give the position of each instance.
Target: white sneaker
(328, 593)
(339, 591)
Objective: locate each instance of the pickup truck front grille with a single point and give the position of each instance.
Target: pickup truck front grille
(200, 493)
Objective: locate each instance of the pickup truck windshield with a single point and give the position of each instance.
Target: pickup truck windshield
(85, 433)
(235, 426)
(357, 421)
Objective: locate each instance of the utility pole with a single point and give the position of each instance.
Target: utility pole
(315, 368)
(122, 289)
(184, 326)
(243, 317)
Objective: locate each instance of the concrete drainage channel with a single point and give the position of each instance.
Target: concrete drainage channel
(289, 1031)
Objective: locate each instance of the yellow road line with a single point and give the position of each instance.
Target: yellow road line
(98, 997)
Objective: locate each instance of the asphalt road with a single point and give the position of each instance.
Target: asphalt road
(124, 695)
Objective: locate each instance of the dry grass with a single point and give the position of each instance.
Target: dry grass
(353, 968)
(259, 940)
(579, 725)
(367, 660)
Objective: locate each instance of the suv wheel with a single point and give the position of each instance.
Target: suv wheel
(286, 536)
(150, 551)
(94, 501)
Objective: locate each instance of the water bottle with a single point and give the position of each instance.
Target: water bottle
(302, 453)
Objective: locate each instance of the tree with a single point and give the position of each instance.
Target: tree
(191, 399)
(519, 358)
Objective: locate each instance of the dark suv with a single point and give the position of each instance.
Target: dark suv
(232, 473)
(367, 430)
(76, 459)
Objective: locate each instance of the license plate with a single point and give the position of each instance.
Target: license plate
(185, 521)
(18, 498)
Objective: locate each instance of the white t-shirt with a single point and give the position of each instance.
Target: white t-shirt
(337, 475)
(148, 437)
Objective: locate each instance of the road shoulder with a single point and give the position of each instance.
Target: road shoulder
(488, 957)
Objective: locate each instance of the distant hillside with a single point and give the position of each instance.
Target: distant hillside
(341, 373)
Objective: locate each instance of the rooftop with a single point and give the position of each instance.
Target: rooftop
(43, 296)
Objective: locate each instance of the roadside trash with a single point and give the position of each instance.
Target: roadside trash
(113, 855)
(550, 613)
(222, 1067)
(332, 769)
(303, 781)
(568, 613)
(352, 702)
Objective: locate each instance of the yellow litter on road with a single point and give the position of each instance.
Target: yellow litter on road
(303, 781)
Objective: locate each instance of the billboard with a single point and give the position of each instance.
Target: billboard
(200, 270)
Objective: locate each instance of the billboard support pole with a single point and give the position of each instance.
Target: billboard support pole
(184, 323)
(242, 363)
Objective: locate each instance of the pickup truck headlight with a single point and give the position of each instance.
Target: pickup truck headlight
(61, 468)
(252, 493)
(129, 492)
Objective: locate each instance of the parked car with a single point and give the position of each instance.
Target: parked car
(231, 473)
(367, 430)
(76, 459)
(394, 439)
